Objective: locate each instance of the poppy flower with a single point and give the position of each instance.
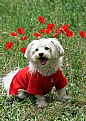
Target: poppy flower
(42, 31)
(20, 30)
(9, 45)
(41, 19)
(82, 34)
(48, 31)
(59, 30)
(23, 49)
(69, 33)
(65, 27)
(37, 34)
(55, 34)
(50, 26)
(13, 34)
(23, 38)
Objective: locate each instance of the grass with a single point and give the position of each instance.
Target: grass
(24, 13)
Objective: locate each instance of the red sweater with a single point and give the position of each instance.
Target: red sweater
(36, 83)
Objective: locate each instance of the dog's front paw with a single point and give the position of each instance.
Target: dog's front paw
(62, 96)
(41, 104)
(22, 94)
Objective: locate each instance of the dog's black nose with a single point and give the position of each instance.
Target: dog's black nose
(40, 54)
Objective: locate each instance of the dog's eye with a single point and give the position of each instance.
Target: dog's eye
(46, 48)
(36, 49)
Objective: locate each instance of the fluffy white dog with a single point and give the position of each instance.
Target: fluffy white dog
(44, 72)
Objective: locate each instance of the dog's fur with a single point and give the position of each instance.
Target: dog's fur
(53, 52)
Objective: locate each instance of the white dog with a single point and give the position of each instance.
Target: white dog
(44, 72)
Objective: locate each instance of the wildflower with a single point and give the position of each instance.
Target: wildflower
(48, 31)
(37, 34)
(55, 34)
(13, 34)
(20, 30)
(50, 26)
(9, 45)
(23, 38)
(65, 27)
(69, 33)
(41, 19)
(42, 31)
(82, 34)
(59, 30)
(23, 49)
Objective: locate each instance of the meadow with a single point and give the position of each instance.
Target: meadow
(24, 14)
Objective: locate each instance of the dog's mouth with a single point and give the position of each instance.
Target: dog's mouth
(43, 60)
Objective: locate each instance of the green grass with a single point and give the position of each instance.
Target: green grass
(24, 13)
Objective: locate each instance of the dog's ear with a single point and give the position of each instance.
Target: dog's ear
(27, 52)
(57, 46)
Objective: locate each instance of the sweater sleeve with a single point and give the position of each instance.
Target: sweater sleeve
(62, 81)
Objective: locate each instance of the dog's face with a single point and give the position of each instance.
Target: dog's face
(43, 50)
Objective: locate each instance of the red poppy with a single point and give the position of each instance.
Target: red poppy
(50, 26)
(69, 33)
(13, 34)
(37, 34)
(41, 19)
(23, 49)
(82, 34)
(65, 27)
(42, 31)
(20, 30)
(48, 31)
(23, 38)
(59, 30)
(55, 34)
(9, 45)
